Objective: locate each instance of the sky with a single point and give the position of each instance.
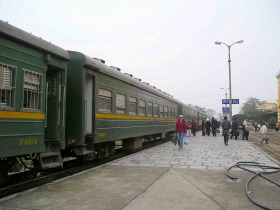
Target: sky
(169, 44)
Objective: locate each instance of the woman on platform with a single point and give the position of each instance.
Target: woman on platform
(181, 131)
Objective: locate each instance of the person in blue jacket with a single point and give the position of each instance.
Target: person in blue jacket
(234, 129)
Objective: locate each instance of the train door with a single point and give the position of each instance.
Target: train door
(54, 120)
(89, 104)
(55, 96)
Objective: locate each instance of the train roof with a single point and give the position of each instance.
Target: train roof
(115, 72)
(27, 38)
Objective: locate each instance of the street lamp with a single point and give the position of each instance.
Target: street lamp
(230, 94)
(225, 89)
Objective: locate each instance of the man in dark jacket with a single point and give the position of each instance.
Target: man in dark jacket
(234, 129)
(214, 125)
(193, 127)
(203, 127)
(207, 126)
(225, 126)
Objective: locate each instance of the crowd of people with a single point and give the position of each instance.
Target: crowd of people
(234, 129)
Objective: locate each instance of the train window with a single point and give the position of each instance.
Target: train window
(150, 109)
(7, 86)
(104, 101)
(32, 90)
(142, 107)
(169, 112)
(120, 103)
(173, 112)
(161, 111)
(132, 105)
(156, 110)
(165, 111)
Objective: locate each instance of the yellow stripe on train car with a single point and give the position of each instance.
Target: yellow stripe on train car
(130, 117)
(21, 115)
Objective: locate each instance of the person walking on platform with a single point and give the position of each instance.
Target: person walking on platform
(240, 130)
(203, 127)
(245, 130)
(193, 127)
(277, 127)
(226, 126)
(207, 127)
(263, 131)
(256, 126)
(189, 128)
(234, 129)
(181, 131)
(214, 126)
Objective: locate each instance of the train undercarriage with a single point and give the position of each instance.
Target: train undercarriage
(53, 157)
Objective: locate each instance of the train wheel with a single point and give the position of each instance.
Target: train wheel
(100, 150)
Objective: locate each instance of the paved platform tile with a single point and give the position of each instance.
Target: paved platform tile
(202, 152)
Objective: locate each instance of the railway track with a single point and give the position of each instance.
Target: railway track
(273, 146)
(31, 180)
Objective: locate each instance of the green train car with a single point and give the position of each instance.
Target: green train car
(106, 105)
(56, 103)
(192, 114)
(32, 99)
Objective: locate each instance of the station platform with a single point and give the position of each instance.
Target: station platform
(161, 178)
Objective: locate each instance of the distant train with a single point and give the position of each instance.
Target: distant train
(56, 103)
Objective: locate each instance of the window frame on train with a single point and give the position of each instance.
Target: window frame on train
(7, 86)
(156, 109)
(32, 91)
(132, 108)
(161, 111)
(120, 103)
(149, 108)
(166, 111)
(142, 107)
(169, 112)
(173, 112)
(105, 96)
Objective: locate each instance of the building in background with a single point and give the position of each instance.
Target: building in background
(213, 113)
(267, 106)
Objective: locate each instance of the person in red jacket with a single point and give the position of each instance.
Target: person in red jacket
(181, 130)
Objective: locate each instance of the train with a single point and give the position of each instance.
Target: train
(56, 104)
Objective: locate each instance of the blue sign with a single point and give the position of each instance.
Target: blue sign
(225, 101)
(225, 110)
(233, 101)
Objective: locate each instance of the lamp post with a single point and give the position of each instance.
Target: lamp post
(230, 93)
(225, 89)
